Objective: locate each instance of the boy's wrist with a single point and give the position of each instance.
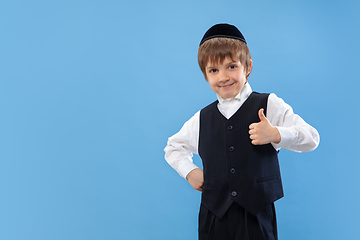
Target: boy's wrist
(186, 169)
(277, 135)
(287, 136)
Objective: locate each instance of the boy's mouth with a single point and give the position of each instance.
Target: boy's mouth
(227, 85)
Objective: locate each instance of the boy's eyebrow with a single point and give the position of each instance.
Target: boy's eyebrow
(212, 66)
(232, 62)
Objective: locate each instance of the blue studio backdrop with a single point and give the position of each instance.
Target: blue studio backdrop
(91, 90)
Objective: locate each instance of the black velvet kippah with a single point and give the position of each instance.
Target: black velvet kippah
(223, 30)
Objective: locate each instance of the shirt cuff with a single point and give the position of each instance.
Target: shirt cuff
(186, 168)
(288, 137)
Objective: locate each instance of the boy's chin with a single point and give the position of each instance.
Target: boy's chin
(228, 95)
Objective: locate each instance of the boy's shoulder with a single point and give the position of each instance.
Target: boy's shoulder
(258, 94)
(210, 106)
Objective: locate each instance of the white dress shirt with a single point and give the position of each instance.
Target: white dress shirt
(296, 134)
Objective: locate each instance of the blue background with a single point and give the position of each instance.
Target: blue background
(91, 90)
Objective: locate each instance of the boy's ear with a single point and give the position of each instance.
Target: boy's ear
(250, 68)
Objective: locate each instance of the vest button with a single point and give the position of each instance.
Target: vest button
(231, 149)
(232, 170)
(230, 127)
(234, 193)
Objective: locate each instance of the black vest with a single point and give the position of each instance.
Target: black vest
(234, 168)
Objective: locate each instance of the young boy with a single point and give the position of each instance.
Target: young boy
(238, 138)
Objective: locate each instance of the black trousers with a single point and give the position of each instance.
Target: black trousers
(238, 224)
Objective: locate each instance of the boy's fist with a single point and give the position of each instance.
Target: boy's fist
(196, 179)
(263, 132)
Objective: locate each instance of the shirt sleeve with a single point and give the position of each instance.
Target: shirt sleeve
(181, 147)
(296, 134)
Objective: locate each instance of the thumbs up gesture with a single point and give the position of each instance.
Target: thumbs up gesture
(263, 132)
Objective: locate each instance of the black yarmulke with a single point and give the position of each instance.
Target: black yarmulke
(223, 30)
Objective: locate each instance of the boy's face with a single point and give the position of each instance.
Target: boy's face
(226, 78)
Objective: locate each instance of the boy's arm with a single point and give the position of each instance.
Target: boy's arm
(181, 146)
(295, 134)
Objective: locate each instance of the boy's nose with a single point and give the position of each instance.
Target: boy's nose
(224, 78)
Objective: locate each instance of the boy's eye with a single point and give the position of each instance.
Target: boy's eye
(232, 66)
(213, 70)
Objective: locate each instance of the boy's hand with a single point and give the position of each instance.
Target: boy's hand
(196, 179)
(263, 132)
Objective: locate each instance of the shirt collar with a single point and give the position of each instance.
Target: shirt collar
(242, 96)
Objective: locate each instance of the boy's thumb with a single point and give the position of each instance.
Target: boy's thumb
(261, 115)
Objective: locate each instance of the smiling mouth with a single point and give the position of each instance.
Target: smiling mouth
(227, 85)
